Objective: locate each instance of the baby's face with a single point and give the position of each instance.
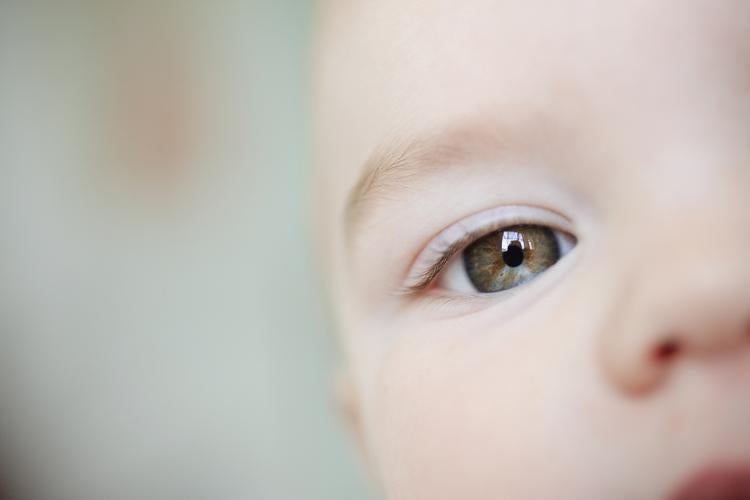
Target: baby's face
(537, 227)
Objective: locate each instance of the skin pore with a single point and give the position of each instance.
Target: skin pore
(622, 369)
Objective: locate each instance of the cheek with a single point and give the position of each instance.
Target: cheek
(461, 413)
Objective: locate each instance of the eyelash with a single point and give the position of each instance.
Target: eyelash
(424, 279)
(436, 269)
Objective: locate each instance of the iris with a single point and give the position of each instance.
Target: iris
(510, 257)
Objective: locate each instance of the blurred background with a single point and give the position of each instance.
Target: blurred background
(162, 335)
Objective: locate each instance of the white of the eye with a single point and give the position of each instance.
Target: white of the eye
(456, 278)
(565, 242)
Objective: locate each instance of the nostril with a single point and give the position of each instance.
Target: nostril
(666, 350)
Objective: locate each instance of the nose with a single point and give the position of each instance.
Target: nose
(692, 310)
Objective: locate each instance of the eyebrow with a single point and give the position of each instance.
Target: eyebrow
(398, 162)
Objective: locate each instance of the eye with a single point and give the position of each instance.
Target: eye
(503, 259)
(511, 256)
(491, 251)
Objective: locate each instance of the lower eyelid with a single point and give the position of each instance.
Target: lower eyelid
(450, 304)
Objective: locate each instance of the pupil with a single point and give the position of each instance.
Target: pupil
(513, 256)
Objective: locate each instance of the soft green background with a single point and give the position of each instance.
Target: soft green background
(162, 332)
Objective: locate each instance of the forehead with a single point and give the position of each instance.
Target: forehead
(392, 68)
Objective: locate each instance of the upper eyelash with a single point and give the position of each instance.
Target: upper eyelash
(434, 270)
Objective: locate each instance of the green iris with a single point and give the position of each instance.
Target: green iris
(510, 257)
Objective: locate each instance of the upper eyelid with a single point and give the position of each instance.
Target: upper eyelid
(460, 234)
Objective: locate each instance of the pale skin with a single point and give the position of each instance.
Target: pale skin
(624, 368)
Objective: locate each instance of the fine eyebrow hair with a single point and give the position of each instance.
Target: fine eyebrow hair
(398, 162)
